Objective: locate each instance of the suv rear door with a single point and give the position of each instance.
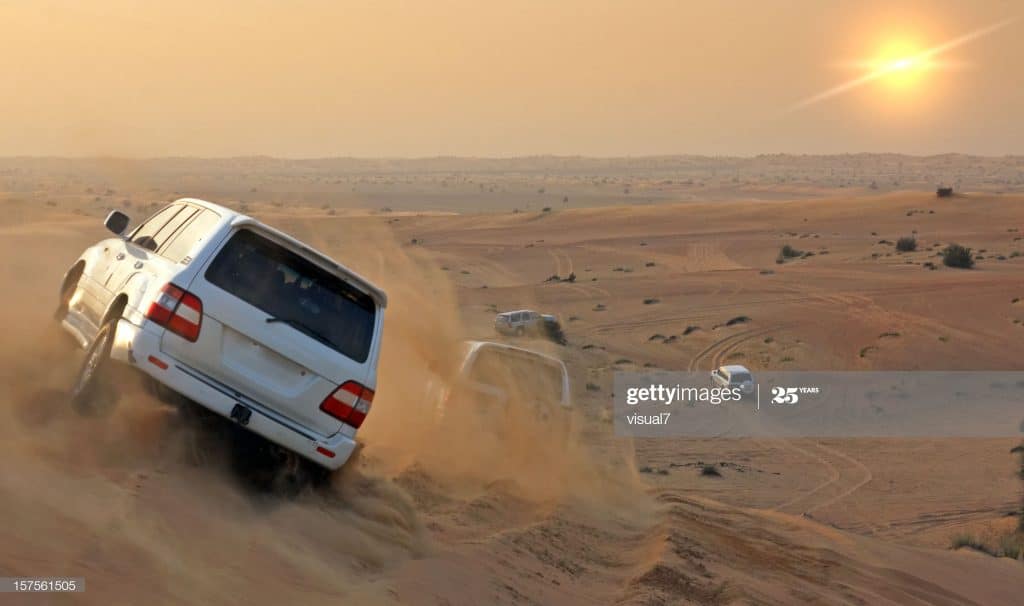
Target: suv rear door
(280, 328)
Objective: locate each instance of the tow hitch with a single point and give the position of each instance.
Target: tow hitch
(241, 414)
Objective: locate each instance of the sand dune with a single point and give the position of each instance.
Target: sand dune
(425, 518)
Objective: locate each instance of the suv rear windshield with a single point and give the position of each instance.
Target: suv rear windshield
(296, 292)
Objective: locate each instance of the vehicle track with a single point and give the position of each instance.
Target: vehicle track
(726, 344)
(833, 475)
(868, 476)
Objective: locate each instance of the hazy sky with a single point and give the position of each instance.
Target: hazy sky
(307, 78)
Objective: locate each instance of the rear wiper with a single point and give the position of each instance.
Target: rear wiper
(303, 328)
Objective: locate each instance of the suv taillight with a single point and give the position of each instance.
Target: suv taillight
(350, 403)
(177, 310)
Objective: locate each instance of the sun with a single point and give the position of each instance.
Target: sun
(901, 64)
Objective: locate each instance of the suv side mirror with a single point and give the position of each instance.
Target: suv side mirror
(116, 222)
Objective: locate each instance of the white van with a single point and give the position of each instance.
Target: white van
(235, 316)
(733, 376)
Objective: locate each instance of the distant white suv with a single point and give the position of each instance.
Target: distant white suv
(519, 323)
(733, 376)
(235, 316)
(529, 322)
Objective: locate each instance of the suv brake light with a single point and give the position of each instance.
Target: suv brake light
(177, 310)
(350, 403)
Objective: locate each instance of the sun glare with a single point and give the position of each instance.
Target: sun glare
(901, 65)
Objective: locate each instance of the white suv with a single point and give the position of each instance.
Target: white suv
(733, 376)
(498, 373)
(518, 323)
(235, 316)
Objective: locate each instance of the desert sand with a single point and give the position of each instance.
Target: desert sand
(433, 515)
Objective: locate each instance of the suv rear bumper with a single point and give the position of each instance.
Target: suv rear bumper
(140, 347)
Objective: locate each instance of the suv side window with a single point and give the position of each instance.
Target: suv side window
(170, 229)
(197, 230)
(144, 235)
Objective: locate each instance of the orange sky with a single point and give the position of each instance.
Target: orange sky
(420, 78)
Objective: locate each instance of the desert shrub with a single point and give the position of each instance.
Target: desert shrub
(737, 320)
(650, 301)
(1012, 546)
(955, 255)
(906, 244)
(546, 209)
(710, 471)
(789, 252)
(966, 540)
(593, 387)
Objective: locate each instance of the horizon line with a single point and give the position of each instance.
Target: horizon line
(414, 158)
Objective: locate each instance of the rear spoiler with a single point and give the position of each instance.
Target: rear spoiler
(317, 257)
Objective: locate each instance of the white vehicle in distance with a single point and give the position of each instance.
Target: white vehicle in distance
(235, 316)
(733, 376)
(529, 322)
(499, 379)
(519, 323)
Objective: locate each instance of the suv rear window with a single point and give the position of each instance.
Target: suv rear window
(296, 292)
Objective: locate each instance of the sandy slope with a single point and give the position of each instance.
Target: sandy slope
(461, 520)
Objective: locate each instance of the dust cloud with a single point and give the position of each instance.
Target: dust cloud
(143, 508)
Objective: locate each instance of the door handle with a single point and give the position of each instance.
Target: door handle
(138, 265)
(120, 256)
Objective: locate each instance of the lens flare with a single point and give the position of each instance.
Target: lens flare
(901, 65)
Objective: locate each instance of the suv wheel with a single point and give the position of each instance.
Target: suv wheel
(67, 291)
(93, 379)
(520, 331)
